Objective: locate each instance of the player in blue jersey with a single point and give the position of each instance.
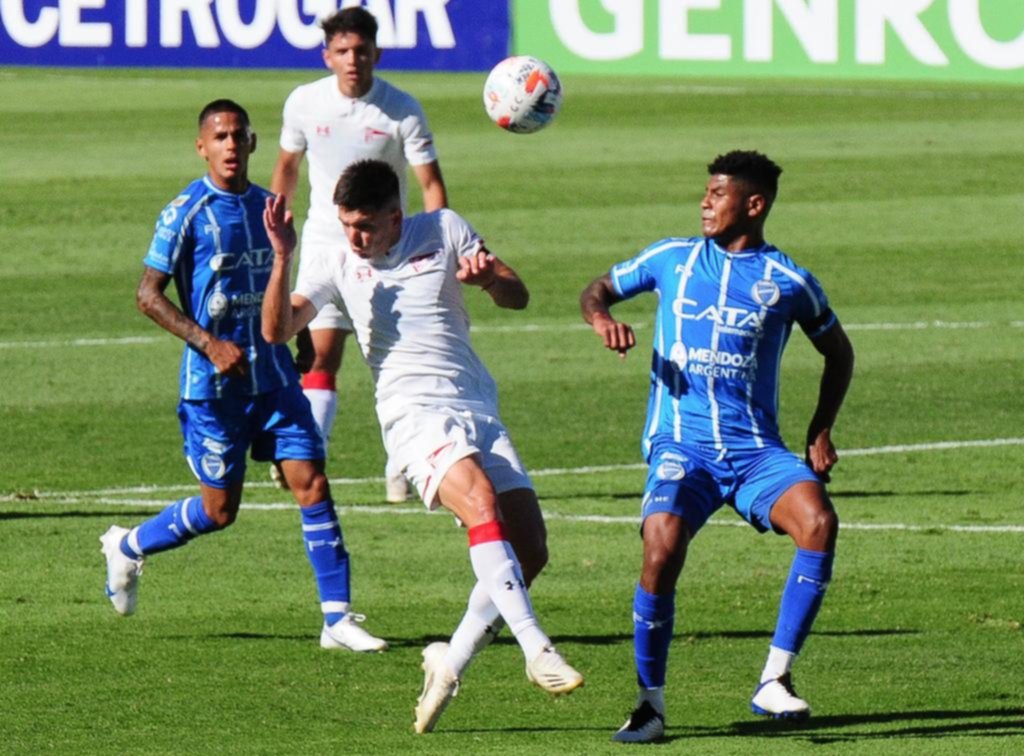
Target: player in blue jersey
(238, 393)
(727, 303)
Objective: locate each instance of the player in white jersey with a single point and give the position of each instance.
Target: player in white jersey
(400, 281)
(348, 116)
(727, 303)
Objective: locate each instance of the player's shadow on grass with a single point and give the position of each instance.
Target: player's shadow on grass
(890, 494)
(612, 639)
(121, 514)
(934, 723)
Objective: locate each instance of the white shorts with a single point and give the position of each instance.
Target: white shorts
(313, 249)
(427, 441)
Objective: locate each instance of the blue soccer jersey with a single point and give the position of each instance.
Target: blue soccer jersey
(723, 320)
(214, 245)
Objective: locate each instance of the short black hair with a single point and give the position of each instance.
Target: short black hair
(368, 185)
(356, 19)
(750, 166)
(223, 106)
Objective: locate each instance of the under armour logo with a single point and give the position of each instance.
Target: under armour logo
(511, 585)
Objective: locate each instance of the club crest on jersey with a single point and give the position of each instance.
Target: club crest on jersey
(213, 466)
(765, 292)
(670, 467)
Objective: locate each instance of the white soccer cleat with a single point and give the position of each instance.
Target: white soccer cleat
(396, 488)
(122, 572)
(776, 698)
(440, 686)
(347, 634)
(277, 476)
(645, 725)
(551, 672)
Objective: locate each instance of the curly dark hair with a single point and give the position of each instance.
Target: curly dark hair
(750, 166)
(356, 19)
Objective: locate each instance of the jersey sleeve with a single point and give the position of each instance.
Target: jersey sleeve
(812, 310)
(293, 138)
(316, 284)
(417, 140)
(460, 235)
(638, 274)
(172, 235)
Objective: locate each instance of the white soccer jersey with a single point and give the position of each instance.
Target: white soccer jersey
(409, 316)
(334, 131)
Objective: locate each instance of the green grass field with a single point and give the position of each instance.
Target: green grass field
(905, 201)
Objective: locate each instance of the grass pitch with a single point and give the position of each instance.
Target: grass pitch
(905, 201)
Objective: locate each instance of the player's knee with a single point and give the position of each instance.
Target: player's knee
(819, 529)
(222, 517)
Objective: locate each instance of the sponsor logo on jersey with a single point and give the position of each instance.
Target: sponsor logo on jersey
(217, 447)
(714, 363)
(213, 466)
(419, 262)
(765, 292)
(217, 305)
(166, 234)
(732, 320)
(678, 355)
(372, 135)
(438, 454)
(258, 257)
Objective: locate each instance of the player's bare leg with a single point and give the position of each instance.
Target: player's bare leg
(468, 494)
(805, 513)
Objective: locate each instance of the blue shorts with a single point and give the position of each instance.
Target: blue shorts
(218, 432)
(690, 481)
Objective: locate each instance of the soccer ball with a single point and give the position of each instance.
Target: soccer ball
(522, 94)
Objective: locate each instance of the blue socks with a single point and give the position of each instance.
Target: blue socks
(174, 526)
(801, 598)
(652, 633)
(325, 548)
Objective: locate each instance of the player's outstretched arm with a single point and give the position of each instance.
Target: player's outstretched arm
(834, 345)
(282, 315)
(495, 277)
(595, 305)
(154, 304)
(285, 178)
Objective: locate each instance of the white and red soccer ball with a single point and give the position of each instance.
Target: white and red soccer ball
(522, 94)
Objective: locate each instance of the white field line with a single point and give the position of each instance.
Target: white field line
(105, 496)
(718, 520)
(917, 325)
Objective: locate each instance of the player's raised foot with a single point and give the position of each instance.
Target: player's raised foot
(396, 488)
(122, 572)
(277, 475)
(440, 686)
(550, 671)
(347, 634)
(776, 698)
(645, 725)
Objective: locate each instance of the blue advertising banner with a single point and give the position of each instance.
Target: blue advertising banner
(451, 35)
